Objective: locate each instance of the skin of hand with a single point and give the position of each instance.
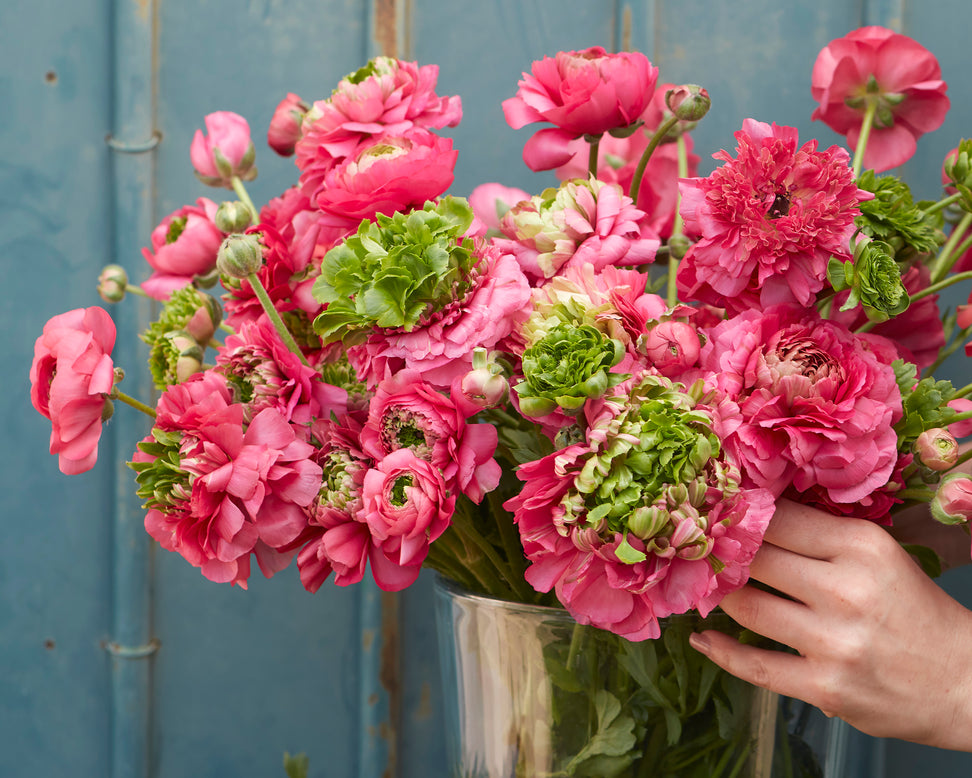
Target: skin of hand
(879, 643)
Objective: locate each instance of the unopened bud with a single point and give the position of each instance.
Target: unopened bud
(233, 216)
(689, 102)
(952, 503)
(112, 283)
(240, 255)
(646, 521)
(678, 246)
(937, 449)
(203, 323)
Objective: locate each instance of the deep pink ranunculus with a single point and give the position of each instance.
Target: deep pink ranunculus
(386, 97)
(579, 92)
(818, 403)
(901, 75)
(407, 507)
(184, 245)
(767, 221)
(70, 379)
(392, 173)
(285, 125)
(497, 301)
(407, 412)
(224, 151)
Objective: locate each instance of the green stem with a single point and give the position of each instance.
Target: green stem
(128, 400)
(635, 191)
(965, 415)
(869, 114)
(245, 197)
(965, 390)
(677, 224)
(592, 152)
(948, 255)
(135, 289)
(466, 528)
(226, 328)
(929, 290)
(509, 536)
(274, 317)
(941, 204)
(946, 352)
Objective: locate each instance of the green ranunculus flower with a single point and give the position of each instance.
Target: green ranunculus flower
(874, 280)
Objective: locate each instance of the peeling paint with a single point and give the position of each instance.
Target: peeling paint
(143, 8)
(386, 26)
(423, 711)
(626, 29)
(389, 676)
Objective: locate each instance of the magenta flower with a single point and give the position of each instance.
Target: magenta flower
(407, 506)
(900, 75)
(391, 173)
(285, 125)
(70, 379)
(767, 221)
(386, 97)
(224, 151)
(817, 402)
(585, 92)
(184, 245)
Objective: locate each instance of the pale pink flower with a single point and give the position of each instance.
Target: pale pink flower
(961, 429)
(70, 378)
(407, 412)
(285, 125)
(225, 151)
(490, 202)
(952, 503)
(875, 63)
(407, 506)
(579, 92)
(391, 173)
(386, 97)
(818, 403)
(767, 221)
(184, 245)
(441, 347)
(937, 449)
(581, 222)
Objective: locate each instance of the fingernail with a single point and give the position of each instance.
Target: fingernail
(699, 642)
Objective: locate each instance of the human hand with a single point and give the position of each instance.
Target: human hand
(880, 644)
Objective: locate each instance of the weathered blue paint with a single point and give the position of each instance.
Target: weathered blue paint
(349, 676)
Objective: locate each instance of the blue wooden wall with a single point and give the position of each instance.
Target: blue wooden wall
(119, 661)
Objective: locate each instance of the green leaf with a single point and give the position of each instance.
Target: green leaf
(615, 735)
(927, 558)
(296, 766)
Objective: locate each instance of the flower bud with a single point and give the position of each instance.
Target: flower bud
(240, 255)
(646, 521)
(678, 246)
(485, 388)
(112, 283)
(672, 346)
(689, 102)
(952, 503)
(233, 216)
(203, 323)
(187, 353)
(286, 124)
(937, 449)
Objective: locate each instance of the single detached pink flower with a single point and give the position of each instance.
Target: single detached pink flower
(903, 78)
(285, 125)
(224, 151)
(579, 92)
(70, 379)
(767, 221)
(184, 245)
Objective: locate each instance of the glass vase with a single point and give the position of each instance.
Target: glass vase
(529, 693)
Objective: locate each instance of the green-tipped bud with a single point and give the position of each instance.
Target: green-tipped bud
(678, 246)
(937, 449)
(240, 255)
(233, 216)
(689, 102)
(647, 521)
(112, 283)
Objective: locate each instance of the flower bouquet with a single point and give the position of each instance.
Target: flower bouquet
(589, 399)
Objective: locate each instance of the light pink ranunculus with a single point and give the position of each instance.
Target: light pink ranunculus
(767, 221)
(490, 202)
(407, 506)
(285, 125)
(818, 403)
(225, 151)
(579, 92)
(70, 379)
(386, 97)
(875, 63)
(184, 245)
(952, 503)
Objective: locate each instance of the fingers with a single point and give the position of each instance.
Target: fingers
(785, 674)
(796, 575)
(806, 530)
(785, 621)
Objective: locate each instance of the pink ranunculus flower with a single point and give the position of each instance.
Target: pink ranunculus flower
(498, 300)
(580, 222)
(407, 412)
(952, 503)
(901, 75)
(386, 97)
(70, 379)
(618, 159)
(407, 506)
(490, 202)
(225, 151)
(184, 245)
(392, 173)
(586, 92)
(285, 125)
(961, 429)
(767, 221)
(817, 402)
(621, 562)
